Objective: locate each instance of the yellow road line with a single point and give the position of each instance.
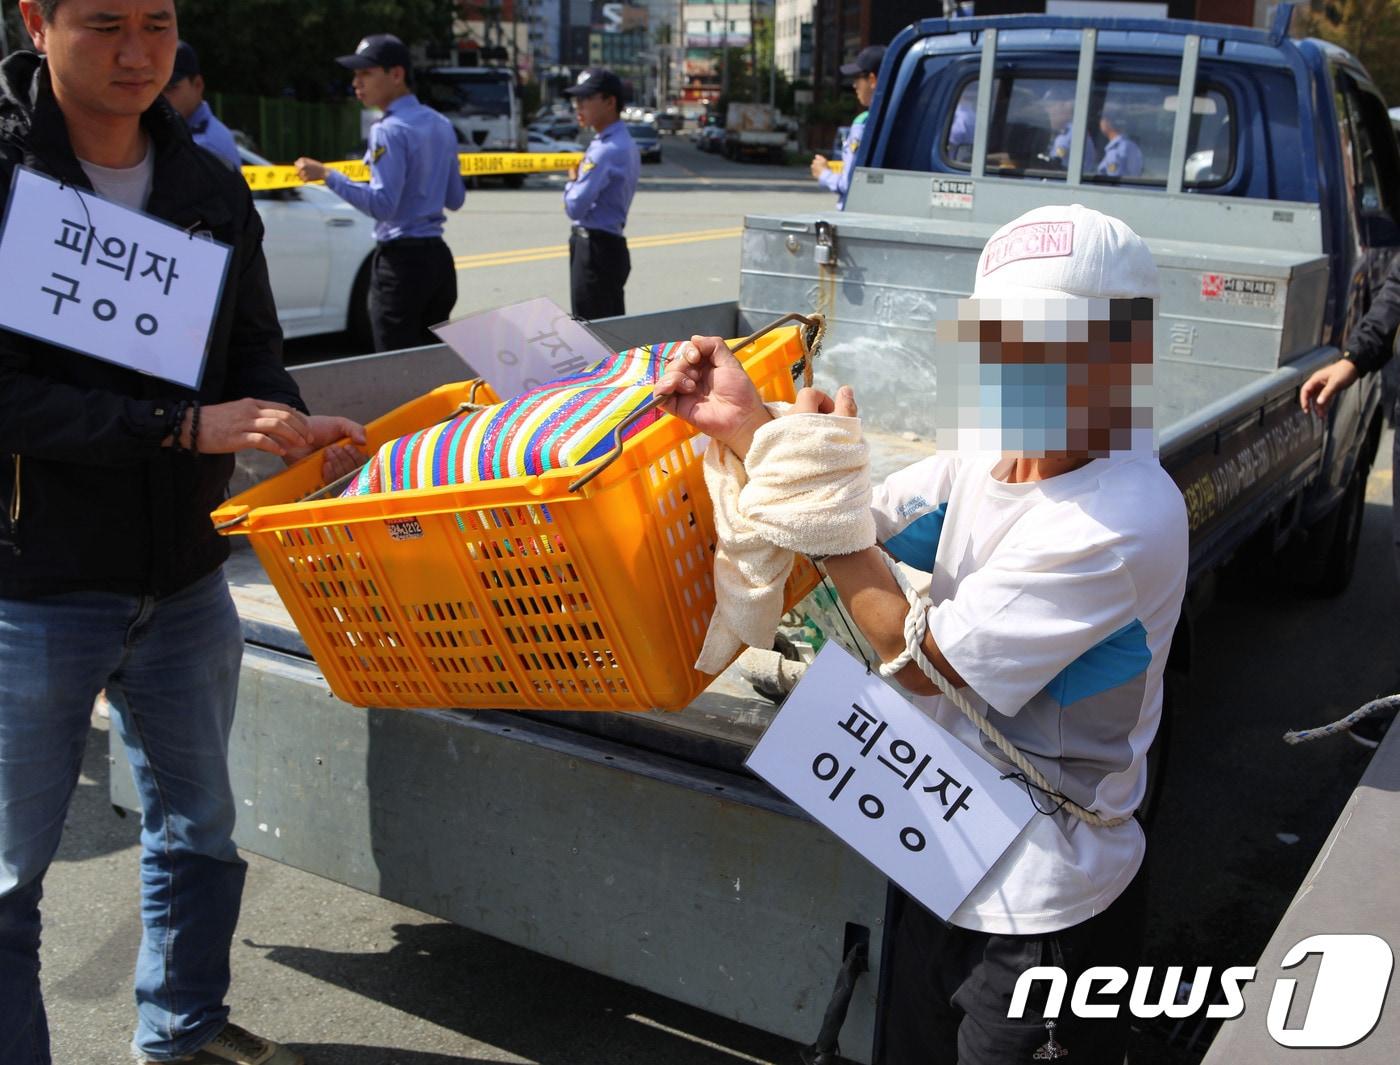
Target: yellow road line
(561, 251)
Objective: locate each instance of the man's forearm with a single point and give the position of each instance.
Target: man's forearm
(879, 608)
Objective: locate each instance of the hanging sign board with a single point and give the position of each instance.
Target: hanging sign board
(99, 278)
(910, 797)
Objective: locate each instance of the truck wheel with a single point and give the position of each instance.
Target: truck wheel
(1333, 543)
(515, 181)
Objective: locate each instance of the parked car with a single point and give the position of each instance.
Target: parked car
(647, 139)
(710, 138)
(535, 141)
(559, 127)
(318, 249)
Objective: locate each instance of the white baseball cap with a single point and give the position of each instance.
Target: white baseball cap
(1065, 252)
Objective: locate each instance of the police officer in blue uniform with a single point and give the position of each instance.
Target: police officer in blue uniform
(597, 198)
(865, 70)
(1121, 156)
(415, 178)
(185, 93)
(1059, 104)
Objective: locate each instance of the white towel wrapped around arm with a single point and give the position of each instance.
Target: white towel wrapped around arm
(805, 486)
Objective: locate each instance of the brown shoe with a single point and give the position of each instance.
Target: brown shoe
(238, 1046)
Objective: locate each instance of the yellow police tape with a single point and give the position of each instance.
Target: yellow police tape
(265, 178)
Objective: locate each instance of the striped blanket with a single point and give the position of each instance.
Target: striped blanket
(565, 422)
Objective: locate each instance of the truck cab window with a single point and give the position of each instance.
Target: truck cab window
(1369, 151)
(1127, 139)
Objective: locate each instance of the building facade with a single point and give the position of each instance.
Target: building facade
(718, 42)
(794, 22)
(843, 27)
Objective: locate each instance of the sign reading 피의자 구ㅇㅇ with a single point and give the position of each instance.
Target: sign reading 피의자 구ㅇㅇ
(928, 812)
(99, 278)
(520, 347)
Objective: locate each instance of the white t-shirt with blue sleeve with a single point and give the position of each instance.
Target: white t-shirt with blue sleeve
(1055, 601)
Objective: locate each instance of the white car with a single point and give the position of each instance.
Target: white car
(318, 249)
(536, 141)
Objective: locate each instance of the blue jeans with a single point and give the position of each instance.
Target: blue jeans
(170, 668)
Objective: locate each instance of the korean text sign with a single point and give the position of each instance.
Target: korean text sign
(98, 278)
(928, 812)
(519, 347)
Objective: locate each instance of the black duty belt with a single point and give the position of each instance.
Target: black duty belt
(410, 242)
(589, 234)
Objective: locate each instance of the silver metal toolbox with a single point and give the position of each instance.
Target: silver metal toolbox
(1232, 309)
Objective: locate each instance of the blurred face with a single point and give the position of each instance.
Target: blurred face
(1052, 384)
(1060, 112)
(377, 87)
(597, 111)
(186, 94)
(865, 88)
(108, 58)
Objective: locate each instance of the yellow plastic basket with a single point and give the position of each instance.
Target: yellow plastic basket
(514, 593)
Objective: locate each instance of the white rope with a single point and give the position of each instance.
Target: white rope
(915, 629)
(1389, 702)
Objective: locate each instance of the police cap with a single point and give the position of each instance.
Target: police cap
(186, 62)
(378, 50)
(596, 81)
(867, 62)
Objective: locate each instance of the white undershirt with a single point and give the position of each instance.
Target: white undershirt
(129, 186)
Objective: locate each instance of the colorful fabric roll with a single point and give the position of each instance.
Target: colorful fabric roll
(565, 422)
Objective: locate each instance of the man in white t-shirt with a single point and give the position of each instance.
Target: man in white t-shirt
(1058, 552)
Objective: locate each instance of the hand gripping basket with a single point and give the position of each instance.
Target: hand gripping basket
(514, 593)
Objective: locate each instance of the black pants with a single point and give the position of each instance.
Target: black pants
(598, 267)
(950, 988)
(412, 285)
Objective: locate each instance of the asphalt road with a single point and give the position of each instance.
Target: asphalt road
(684, 228)
(352, 980)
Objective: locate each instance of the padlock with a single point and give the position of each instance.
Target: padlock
(825, 252)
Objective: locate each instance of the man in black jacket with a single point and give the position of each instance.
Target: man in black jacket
(1368, 348)
(110, 571)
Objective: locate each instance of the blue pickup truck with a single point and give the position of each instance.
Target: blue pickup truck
(1270, 204)
(635, 845)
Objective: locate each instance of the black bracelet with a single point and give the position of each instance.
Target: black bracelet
(177, 418)
(194, 429)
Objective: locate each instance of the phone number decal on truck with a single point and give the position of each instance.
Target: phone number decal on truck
(1228, 478)
(1240, 291)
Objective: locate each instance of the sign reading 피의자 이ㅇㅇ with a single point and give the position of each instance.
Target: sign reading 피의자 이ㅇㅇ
(99, 278)
(521, 346)
(912, 799)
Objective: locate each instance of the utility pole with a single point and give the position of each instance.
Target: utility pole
(724, 53)
(753, 52)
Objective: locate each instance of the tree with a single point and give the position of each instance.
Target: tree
(288, 47)
(1368, 29)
